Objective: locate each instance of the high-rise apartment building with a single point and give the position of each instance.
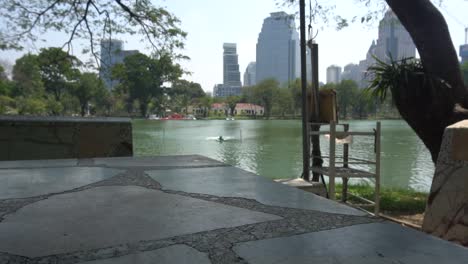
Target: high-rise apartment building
(112, 53)
(333, 74)
(250, 73)
(278, 50)
(231, 74)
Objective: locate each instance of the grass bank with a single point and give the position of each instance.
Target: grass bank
(392, 200)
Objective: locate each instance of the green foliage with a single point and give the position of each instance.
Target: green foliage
(57, 69)
(284, 103)
(296, 94)
(6, 104)
(265, 93)
(185, 93)
(393, 200)
(6, 87)
(27, 77)
(352, 101)
(191, 89)
(205, 103)
(231, 102)
(347, 91)
(53, 107)
(464, 69)
(390, 78)
(25, 21)
(87, 87)
(31, 106)
(142, 78)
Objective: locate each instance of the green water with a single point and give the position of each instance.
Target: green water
(273, 148)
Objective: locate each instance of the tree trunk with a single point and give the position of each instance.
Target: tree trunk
(429, 116)
(83, 109)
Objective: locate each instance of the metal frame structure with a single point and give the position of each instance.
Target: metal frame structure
(345, 171)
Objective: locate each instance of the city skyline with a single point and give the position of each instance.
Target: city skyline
(393, 43)
(210, 23)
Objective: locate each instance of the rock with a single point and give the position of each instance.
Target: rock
(446, 211)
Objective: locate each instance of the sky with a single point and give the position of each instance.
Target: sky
(210, 23)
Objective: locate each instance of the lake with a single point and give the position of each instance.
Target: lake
(272, 148)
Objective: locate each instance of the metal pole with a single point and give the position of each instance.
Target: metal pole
(316, 152)
(305, 119)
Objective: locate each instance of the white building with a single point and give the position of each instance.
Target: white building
(333, 74)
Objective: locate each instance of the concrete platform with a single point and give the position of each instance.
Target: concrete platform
(187, 209)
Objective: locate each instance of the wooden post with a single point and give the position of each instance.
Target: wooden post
(344, 194)
(377, 169)
(305, 108)
(331, 165)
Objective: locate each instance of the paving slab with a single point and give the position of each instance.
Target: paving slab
(234, 182)
(369, 243)
(177, 254)
(112, 215)
(21, 183)
(160, 161)
(22, 164)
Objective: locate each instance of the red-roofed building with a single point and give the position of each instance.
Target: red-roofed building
(249, 109)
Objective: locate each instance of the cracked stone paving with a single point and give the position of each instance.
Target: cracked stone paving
(187, 209)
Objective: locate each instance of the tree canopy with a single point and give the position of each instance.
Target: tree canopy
(26, 21)
(143, 77)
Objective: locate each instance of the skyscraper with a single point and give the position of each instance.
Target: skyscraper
(278, 51)
(250, 73)
(333, 74)
(351, 72)
(231, 75)
(112, 53)
(464, 48)
(464, 53)
(394, 41)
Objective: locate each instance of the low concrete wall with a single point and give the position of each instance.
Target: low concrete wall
(447, 208)
(29, 138)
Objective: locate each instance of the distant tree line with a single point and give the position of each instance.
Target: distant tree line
(286, 102)
(55, 83)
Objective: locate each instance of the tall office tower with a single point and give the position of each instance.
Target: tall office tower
(394, 41)
(112, 53)
(249, 75)
(278, 50)
(231, 75)
(333, 74)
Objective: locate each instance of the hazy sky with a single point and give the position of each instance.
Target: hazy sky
(210, 23)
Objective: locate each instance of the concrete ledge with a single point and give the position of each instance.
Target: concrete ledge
(35, 138)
